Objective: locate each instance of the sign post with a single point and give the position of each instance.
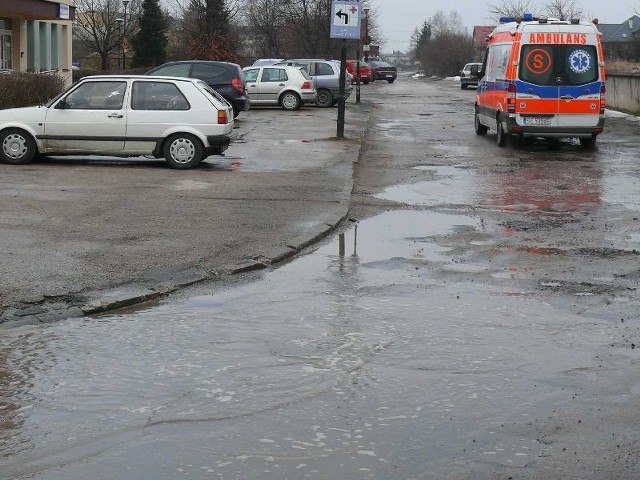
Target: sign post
(345, 24)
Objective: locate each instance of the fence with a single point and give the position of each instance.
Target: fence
(623, 92)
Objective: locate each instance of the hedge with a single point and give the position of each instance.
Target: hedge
(27, 89)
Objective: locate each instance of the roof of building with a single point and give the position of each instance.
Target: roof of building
(480, 34)
(626, 31)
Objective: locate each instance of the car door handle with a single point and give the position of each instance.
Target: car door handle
(115, 115)
(567, 97)
(281, 85)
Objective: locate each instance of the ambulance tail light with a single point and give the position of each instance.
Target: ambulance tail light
(511, 98)
(603, 100)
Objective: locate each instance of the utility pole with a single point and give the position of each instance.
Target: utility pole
(125, 42)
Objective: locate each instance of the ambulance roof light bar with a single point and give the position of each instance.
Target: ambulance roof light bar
(527, 17)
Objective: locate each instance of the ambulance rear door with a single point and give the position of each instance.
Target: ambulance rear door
(578, 85)
(537, 89)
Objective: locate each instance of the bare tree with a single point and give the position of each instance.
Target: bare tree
(449, 46)
(563, 9)
(266, 21)
(510, 8)
(101, 26)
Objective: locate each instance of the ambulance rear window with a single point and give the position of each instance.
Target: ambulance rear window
(551, 64)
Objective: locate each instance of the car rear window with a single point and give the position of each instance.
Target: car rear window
(304, 73)
(549, 65)
(211, 73)
(177, 70)
(212, 92)
(324, 69)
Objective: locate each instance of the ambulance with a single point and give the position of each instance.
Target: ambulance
(542, 78)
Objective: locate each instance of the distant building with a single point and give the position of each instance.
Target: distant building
(35, 35)
(480, 35)
(621, 41)
(400, 60)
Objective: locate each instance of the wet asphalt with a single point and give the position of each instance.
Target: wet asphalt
(474, 317)
(81, 235)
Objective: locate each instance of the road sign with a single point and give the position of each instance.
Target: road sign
(345, 20)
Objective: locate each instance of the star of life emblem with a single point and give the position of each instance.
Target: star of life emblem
(580, 61)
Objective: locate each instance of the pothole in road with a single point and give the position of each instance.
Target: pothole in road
(450, 185)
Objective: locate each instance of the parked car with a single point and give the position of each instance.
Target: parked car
(360, 71)
(326, 78)
(467, 77)
(182, 119)
(289, 87)
(224, 77)
(266, 61)
(383, 70)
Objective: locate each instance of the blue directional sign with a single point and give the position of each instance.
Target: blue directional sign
(345, 19)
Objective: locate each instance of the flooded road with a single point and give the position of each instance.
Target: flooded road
(481, 323)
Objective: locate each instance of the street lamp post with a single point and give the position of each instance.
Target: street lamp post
(125, 42)
(120, 37)
(367, 39)
(358, 71)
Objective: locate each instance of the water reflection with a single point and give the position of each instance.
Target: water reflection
(544, 186)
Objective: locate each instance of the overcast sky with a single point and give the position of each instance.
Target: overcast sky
(398, 18)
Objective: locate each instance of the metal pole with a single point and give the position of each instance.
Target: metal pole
(343, 78)
(366, 33)
(358, 80)
(124, 50)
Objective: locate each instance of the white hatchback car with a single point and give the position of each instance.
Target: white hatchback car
(182, 119)
(289, 87)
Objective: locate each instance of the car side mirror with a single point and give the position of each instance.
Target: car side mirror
(62, 105)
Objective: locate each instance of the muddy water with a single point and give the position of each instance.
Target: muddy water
(330, 367)
(470, 331)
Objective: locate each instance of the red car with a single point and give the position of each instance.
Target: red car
(365, 72)
(383, 70)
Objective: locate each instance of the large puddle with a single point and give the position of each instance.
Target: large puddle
(330, 365)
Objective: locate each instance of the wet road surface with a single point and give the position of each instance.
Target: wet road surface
(480, 324)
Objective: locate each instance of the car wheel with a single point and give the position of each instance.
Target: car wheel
(183, 151)
(391, 80)
(290, 101)
(502, 136)
(17, 147)
(366, 82)
(480, 128)
(324, 98)
(236, 112)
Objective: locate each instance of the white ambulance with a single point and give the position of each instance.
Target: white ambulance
(542, 78)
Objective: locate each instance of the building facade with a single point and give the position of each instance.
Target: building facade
(35, 36)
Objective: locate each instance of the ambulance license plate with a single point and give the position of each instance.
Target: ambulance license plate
(538, 121)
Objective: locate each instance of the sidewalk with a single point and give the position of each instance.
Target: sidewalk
(85, 236)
